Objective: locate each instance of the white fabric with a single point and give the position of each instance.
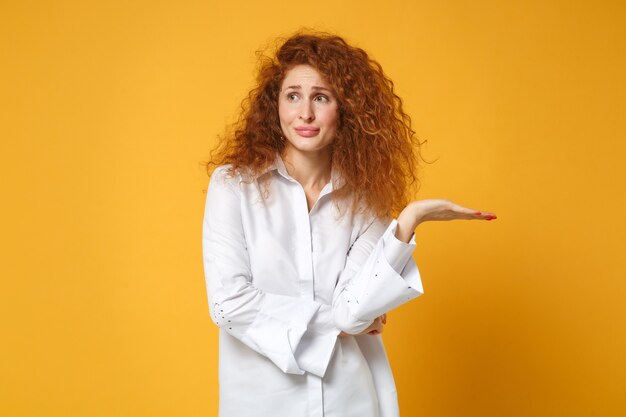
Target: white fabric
(282, 282)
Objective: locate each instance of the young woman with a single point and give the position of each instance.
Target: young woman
(303, 253)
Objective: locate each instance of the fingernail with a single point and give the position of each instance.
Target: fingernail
(477, 213)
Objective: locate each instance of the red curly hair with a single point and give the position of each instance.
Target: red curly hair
(374, 147)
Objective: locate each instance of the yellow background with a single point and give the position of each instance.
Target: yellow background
(107, 109)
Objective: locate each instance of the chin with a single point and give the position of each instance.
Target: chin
(307, 145)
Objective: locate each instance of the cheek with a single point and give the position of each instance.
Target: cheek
(285, 114)
(281, 112)
(332, 119)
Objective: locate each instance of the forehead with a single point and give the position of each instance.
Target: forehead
(304, 76)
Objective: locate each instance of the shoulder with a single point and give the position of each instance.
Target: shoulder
(375, 225)
(222, 172)
(227, 173)
(224, 183)
(224, 176)
(367, 218)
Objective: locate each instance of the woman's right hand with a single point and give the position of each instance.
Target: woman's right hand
(375, 328)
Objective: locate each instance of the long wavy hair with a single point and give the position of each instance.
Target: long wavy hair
(374, 148)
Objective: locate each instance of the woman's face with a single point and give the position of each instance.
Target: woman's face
(307, 109)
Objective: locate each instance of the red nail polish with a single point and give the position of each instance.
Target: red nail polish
(477, 213)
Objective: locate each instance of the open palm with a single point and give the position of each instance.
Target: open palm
(441, 209)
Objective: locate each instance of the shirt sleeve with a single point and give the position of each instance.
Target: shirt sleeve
(380, 275)
(298, 335)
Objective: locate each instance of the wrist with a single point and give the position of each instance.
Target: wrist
(403, 232)
(408, 221)
(415, 212)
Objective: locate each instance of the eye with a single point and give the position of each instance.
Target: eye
(323, 99)
(290, 96)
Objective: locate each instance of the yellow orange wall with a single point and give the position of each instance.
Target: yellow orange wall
(107, 108)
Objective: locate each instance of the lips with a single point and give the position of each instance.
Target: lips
(307, 132)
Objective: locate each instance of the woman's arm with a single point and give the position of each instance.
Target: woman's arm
(380, 274)
(380, 279)
(295, 333)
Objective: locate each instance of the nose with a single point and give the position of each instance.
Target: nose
(306, 113)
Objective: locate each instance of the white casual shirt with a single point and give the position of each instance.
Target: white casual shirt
(282, 282)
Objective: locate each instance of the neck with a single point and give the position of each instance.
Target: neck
(310, 169)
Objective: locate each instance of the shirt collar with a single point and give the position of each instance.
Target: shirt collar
(279, 165)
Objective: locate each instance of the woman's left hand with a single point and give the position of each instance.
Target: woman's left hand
(421, 211)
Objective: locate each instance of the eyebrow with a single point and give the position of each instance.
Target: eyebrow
(298, 87)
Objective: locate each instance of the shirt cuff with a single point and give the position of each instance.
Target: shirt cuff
(397, 252)
(318, 343)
